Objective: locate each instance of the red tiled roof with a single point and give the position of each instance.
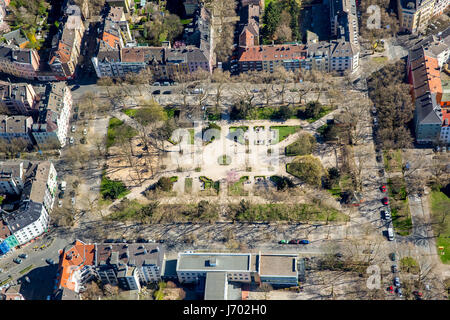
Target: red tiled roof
(73, 259)
(272, 52)
(426, 76)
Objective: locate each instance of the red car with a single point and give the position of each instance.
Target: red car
(385, 201)
(383, 188)
(391, 289)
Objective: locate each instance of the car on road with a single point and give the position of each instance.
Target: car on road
(50, 261)
(298, 241)
(381, 172)
(418, 295)
(385, 201)
(391, 289)
(61, 195)
(393, 256)
(17, 260)
(254, 90)
(156, 92)
(156, 84)
(399, 292)
(397, 282)
(71, 140)
(73, 129)
(166, 83)
(394, 268)
(73, 201)
(59, 203)
(109, 241)
(167, 92)
(84, 132)
(383, 188)
(283, 242)
(75, 87)
(390, 232)
(379, 158)
(386, 214)
(23, 256)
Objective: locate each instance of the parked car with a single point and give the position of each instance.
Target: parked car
(397, 282)
(390, 231)
(71, 140)
(84, 131)
(73, 201)
(379, 158)
(17, 260)
(72, 129)
(156, 84)
(294, 241)
(166, 83)
(385, 201)
(383, 188)
(109, 241)
(282, 242)
(75, 109)
(156, 92)
(50, 261)
(167, 92)
(59, 203)
(393, 256)
(386, 214)
(399, 292)
(391, 289)
(23, 256)
(304, 241)
(394, 268)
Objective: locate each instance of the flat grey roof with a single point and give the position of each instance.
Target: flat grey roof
(216, 286)
(278, 265)
(223, 261)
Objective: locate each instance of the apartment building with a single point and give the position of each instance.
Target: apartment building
(344, 20)
(22, 63)
(125, 4)
(191, 6)
(31, 219)
(12, 177)
(16, 128)
(129, 265)
(16, 38)
(76, 267)
(18, 98)
(249, 34)
(66, 48)
(52, 126)
(268, 57)
(414, 15)
(440, 6)
(430, 94)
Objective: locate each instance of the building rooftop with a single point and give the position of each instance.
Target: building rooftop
(278, 265)
(216, 286)
(27, 213)
(273, 52)
(137, 254)
(214, 261)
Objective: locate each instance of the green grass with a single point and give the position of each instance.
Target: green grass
(27, 269)
(191, 134)
(379, 60)
(439, 200)
(130, 112)
(284, 131)
(326, 110)
(129, 212)
(186, 21)
(113, 127)
(5, 281)
(170, 111)
(188, 185)
(287, 212)
(392, 160)
(237, 188)
(240, 138)
(408, 264)
(401, 217)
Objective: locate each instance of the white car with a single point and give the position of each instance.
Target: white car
(60, 203)
(71, 140)
(84, 131)
(73, 129)
(73, 201)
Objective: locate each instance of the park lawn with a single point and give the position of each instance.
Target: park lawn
(241, 136)
(401, 216)
(440, 199)
(191, 134)
(188, 185)
(393, 160)
(237, 188)
(185, 21)
(379, 60)
(289, 212)
(170, 111)
(213, 116)
(284, 131)
(127, 213)
(114, 124)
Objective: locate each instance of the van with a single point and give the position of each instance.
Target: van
(390, 233)
(63, 185)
